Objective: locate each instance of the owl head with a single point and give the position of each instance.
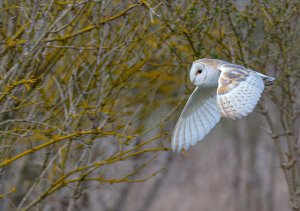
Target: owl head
(204, 74)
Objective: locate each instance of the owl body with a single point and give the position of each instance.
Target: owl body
(223, 90)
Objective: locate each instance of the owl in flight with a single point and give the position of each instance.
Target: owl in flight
(223, 90)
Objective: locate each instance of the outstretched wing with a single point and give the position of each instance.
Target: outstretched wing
(198, 117)
(239, 90)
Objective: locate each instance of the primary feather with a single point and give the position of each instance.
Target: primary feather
(198, 117)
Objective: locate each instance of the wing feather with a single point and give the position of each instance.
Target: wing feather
(198, 117)
(188, 134)
(183, 134)
(207, 117)
(239, 90)
(194, 126)
(201, 125)
(181, 137)
(211, 104)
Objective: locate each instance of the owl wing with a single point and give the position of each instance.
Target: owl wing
(238, 91)
(198, 117)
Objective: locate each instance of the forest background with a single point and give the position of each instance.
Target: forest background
(90, 92)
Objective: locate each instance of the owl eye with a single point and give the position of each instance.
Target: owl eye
(199, 72)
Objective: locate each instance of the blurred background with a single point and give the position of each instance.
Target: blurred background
(91, 91)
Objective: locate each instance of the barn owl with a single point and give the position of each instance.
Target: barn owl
(223, 90)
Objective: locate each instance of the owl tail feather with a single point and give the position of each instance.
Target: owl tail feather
(268, 80)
